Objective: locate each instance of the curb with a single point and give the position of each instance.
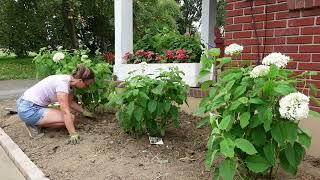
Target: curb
(28, 169)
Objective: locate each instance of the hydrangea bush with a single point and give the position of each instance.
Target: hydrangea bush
(254, 113)
(49, 62)
(150, 105)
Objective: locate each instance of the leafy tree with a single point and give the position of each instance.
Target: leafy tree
(190, 12)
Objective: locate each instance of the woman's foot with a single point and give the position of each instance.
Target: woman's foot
(34, 131)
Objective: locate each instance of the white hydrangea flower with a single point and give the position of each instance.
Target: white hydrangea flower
(84, 57)
(58, 57)
(233, 49)
(259, 71)
(294, 106)
(277, 59)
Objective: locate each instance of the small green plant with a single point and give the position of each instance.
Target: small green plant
(254, 114)
(149, 105)
(94, 97)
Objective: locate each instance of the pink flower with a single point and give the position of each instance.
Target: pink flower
(149, 54)
(126, 56)
(181, 51)
(140, 52)
(159, 58)
(170, 54)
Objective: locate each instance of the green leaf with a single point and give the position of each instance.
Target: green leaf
(138, 114)
(245, 146)
(268, 88)
(167, 106)
(269, 152)
(206, 84)
(291, 130)
(229, 85)
(225, 122)
(313, 89)
(244, 119)
(235, 105)
(314, 114)
(294, 154)
(130, 108)
(243, 100)
(227, 169)
(256, 101)
(203, 73)
(199, 111)
(158, 89)
(203, 122)
(227, 147)
(239, 91)
(210, 158)
(304, 139)
(257, 163)
(214, 52)
(284, 89)
(152, 105)
(278, 133)
(258, 137)
(285, 164)
(266, 115)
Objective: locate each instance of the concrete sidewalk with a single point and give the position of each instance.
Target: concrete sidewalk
(10, 89)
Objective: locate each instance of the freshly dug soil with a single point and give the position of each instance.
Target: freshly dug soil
(106, 152)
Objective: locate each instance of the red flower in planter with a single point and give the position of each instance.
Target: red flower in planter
(149, 54)
(170, 54)
(126, 56)
(181, 51)
(140, 52)
(159, 58)
(109, 56)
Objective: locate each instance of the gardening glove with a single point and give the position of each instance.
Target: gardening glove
(89, 114)
(74, 139)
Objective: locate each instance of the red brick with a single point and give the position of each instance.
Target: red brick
(229, 21)
(227, 42)
(315, 58)
(246, 49)
(263, 17)
(282, 15)
(229, 6)
(228, 35)
(265, 32)
(245, 34)
(266, 49)
(304, 90)
(309, 66)
(310, 30)
(277, 7)
(316, 39)
(252, 41)
(309, 49)
(294, 14)
(242, 4)
(279, 1)
(255, 10)
(231, 1)
(236, 27)
(318, 20)
(276, 24)
(316, 3)
(286, 32)
(275, 41)
(232, 13)
(243, 19)
(308, 3)
(311, 12)
(292, 65)
(291, 4)
(263, 2)
(286, 49)
(314, 82)
(299, 4)
(248, 56)
(259, 25)
(300, 40)
(301, 22)
(300, 57)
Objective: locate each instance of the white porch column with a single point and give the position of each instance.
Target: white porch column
(123, 15)
(208, 21)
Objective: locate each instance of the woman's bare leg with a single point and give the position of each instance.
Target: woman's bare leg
(53, 118)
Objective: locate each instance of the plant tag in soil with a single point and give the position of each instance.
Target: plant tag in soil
(155, 140)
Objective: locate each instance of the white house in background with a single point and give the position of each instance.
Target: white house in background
(123, 10)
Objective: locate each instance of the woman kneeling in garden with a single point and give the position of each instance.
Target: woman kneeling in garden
(33, 109)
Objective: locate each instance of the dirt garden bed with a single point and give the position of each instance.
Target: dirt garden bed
(106, 152)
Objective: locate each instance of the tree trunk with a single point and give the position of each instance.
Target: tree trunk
(68, 17)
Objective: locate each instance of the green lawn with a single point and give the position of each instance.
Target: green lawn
(17, 68)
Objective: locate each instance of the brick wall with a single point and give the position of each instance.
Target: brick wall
(291, 27)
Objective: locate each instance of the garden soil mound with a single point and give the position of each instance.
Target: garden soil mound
(106, 152)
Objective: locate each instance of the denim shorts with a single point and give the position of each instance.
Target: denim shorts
(29, 112)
